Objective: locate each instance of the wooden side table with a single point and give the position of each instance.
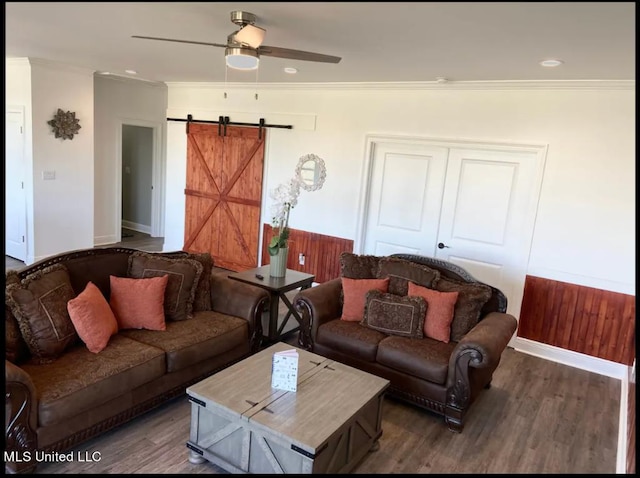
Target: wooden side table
(277, 288)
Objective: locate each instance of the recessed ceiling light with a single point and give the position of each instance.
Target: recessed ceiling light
(131, 72)
(105, 73)
(551, 63)
(290, 70)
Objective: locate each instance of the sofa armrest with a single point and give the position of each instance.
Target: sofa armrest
(480, 348)
(235, 298)
(21, 419)
(316, 306)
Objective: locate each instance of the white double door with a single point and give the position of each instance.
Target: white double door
(472, 205)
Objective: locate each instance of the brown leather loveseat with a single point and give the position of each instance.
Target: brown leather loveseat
(444, 377)
(53, 405)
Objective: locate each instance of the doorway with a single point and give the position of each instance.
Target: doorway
(140, 179)
(472, 204)
(15, 196)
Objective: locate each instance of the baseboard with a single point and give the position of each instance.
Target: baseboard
(573, 359)
(134, 226)
(104, 240)
(621, 461)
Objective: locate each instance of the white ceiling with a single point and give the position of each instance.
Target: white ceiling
(378, 42)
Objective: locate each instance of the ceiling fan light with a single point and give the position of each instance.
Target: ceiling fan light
(241, 58)
(250, 35)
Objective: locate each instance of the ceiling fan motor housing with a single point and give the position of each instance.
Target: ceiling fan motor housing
(243, 18)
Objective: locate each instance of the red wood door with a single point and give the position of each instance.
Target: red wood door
(224, 194)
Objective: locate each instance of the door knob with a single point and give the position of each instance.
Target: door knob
(442, 246)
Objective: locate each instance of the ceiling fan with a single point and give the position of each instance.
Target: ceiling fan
(244, 47)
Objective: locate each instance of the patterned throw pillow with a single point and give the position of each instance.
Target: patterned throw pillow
(395, 315)
(139, 303)
(355, 291)
(92, 318)
(39, 303)
(356, 266)
(203, 291)
(440, 307)
(401, 271)
(471, 298)
(183, 273)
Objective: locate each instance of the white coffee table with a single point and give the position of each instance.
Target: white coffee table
(243, 425)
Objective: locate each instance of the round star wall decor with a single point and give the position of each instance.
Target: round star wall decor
(64, 125)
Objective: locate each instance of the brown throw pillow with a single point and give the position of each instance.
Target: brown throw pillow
(356, 266)
(16, 350)
(39, 303)
(355, 291)
(395, 315)
(203, 291)
(183, 273)
(471, 299)
(401, 271)
(440, 307)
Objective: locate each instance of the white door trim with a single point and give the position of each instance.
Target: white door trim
(158, 177)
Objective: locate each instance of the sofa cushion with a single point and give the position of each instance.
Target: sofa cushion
(183, 273)
(16, 349)
(355, 291)
(426, 358)
(39, 303)
(356, 266)
(395, 314)
(139, 303)
(188, 342)
(401, 271)
(440, 307)
(471, 299)
(80, 380)
(203, 290)
(350, 338)
(92, 318)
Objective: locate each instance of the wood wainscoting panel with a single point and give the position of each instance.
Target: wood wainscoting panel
(583, 319)
(321, 253)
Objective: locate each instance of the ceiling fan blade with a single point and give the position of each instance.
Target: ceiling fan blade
(180, 41)
(296, 54)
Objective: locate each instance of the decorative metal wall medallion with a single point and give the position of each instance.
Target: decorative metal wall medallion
(64, 125)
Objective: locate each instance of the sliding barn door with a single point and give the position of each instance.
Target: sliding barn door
(224, 193)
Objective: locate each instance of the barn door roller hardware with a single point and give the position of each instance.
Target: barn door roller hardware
(224, 121)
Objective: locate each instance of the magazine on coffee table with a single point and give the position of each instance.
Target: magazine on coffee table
(284, 370)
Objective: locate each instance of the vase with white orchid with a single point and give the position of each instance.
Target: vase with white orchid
(285, 198)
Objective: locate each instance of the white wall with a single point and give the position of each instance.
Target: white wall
(120, 101)
(59, 211)
(585, 226)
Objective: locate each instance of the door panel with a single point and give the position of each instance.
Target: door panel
(479, 203)
(483, 212)
(405, 198)
(15, 198)
(224, 193)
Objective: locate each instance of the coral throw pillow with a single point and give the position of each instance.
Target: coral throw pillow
(92, 318)
(138, 303)
(355, 291)
(440, 307)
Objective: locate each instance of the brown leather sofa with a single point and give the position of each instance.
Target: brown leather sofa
(445, 378)
(55, 406)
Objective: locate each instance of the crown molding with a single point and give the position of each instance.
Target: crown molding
(130, 80)
(422, 85)
(60, 66)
